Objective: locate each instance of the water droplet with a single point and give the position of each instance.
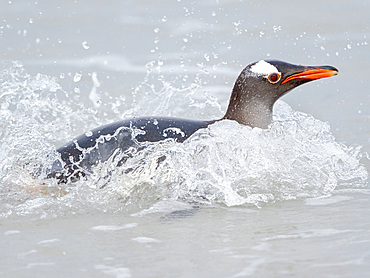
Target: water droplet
(277, 28)
(164, 19)
(76, 90)
(31, 20)
(85, 45)
(77, 77)
(185, 39)
(38, 40)
(62, 75)
(156, 30)
(95, 80)
(349, 46)
(88, 133)
(213, 14)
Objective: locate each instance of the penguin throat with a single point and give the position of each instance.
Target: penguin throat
(253, 112)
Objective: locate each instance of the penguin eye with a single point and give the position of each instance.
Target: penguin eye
(274, 77)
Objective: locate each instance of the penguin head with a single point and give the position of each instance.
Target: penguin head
(271, 79)
(261, 83)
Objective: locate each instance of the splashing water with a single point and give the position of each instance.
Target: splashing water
(297, 157)
(230, 164)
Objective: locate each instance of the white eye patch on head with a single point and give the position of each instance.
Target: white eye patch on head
(264, 68)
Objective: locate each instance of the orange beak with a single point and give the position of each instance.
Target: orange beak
(313, 73)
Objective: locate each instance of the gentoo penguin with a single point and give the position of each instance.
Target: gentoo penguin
(256, 90)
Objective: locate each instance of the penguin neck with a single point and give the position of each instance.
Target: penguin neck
(250, 109)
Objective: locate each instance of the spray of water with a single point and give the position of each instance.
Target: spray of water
(230, 164)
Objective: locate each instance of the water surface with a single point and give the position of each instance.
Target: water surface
(292, 200)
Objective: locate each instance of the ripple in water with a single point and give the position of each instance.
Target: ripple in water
(228, 164)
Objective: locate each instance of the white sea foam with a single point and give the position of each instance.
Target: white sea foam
(48, 241)
(11, 232)
(297, 157)
(106, 228)
(119, 272)
(143, 239)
